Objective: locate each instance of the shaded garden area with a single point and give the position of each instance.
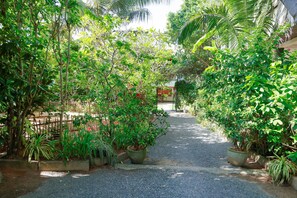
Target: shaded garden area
(62, 58)
(244, 82)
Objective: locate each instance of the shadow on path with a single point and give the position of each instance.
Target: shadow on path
(189, 161)
(187, 143)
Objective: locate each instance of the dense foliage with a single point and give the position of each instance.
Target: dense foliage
(251, 94)
(188, 64)
(57, 55)
(249, 87)
(26, 75)
(225, 20)
(185, 93)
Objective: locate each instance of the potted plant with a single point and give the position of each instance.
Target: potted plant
(238, 154)
(143, 135)
(138, 131)
(138, 139)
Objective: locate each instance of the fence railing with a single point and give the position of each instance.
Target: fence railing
(49, 123)
(52, 127)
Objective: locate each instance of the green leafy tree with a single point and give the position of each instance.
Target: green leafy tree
(249, 93)
(26, 76)
(114, 67)
(188, 64)
(58, 51)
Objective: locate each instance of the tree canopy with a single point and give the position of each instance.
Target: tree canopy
(55, 53)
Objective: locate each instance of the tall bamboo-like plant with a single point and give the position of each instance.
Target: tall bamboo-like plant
(66, 16)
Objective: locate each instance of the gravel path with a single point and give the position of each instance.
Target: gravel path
(147, 183)
(188, 161)
(188, 143)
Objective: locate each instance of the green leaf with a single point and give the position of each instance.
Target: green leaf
(277, 122)
(202, 40)
(210, 48)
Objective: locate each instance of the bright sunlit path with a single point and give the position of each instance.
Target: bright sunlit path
(166, 106)
(52, 174)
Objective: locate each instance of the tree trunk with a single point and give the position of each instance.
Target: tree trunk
(9, 123)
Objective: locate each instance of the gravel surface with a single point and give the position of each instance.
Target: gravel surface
(147, 183)
(188, 143)
(180, 160)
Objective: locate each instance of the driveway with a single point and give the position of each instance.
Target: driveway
(189, 161)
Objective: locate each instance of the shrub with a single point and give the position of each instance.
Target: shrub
(139, 124)
(83, 145)
(185, 93)
(250, 93)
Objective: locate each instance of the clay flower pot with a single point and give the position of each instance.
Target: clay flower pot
(236, 157)
(136, 156)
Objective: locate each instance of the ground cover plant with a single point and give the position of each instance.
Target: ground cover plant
(282, 170)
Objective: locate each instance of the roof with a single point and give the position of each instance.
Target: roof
(289, 41)
(291, 6)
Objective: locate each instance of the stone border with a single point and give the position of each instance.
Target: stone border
(294, 182)
(58, 165)
(18, 164)
(75, 165)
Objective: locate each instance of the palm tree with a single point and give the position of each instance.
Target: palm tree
(227, 20)
(131, 9)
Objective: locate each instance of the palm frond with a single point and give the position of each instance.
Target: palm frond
(192, 25)
(203, 39)
(94, 7)
(132, 9)
(217, 18)
(142, 3)
(120, 5)
(229, 26)
(141, 15)
(244, 8)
